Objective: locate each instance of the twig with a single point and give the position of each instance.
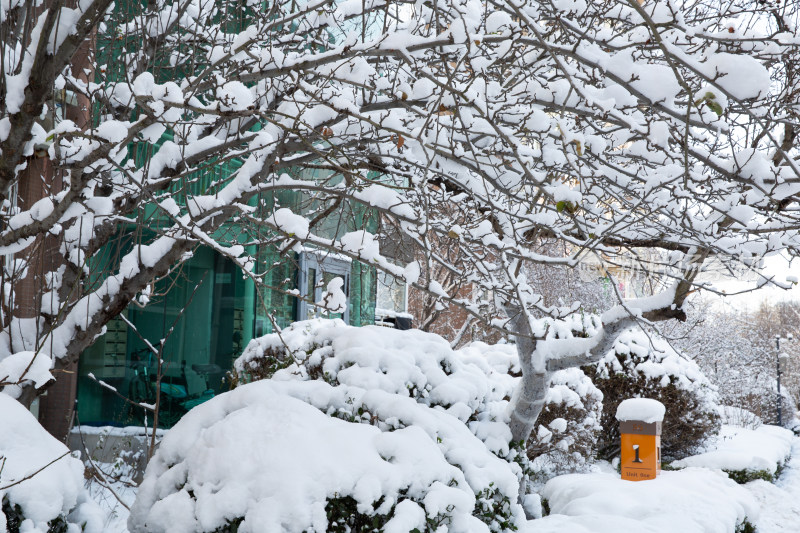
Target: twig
(99, 473)
(29, 476)
(115, 391)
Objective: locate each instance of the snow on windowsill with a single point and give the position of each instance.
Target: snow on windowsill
(391, 313)
(113, 431)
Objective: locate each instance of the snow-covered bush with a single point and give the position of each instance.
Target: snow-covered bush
(646, 366)
(357, 429)
(793, 425)
(473, 384)
(325, 350)
(746, 454)
(569, 424)
(692, 500)
(41, 483)
(287, 456)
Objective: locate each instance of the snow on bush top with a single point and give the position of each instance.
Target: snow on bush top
(571, 387)
(271, 455)
(654, 358)
(635, 368)
(393, 424)
(56, 491)
(473, 384)
(643, 409)
(692, 500)
(737, 448)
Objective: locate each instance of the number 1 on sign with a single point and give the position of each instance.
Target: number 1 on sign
(636, 451)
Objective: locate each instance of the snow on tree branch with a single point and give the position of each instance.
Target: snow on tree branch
(660, 134)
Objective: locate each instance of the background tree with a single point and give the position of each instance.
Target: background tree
(558, 285)
(736, 350)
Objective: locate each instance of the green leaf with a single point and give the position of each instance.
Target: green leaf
(715, 107)
(710, 100)
(566, 205)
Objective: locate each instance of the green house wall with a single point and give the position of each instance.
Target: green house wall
(207, 310)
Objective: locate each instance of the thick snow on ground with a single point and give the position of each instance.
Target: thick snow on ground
(693, 500)
(780, 503)
(643, 409)
(690, 500)
(56, 490)
(589, 524)
(737, 448)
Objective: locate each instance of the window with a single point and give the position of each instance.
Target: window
(204, 314)
(392, 295)
(316, 271)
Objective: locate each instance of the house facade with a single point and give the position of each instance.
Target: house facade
(200, 317)
(203, 315)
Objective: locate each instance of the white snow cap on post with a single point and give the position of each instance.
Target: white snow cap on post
(644, 409)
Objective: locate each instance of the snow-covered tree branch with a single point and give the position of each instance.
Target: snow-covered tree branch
(619, 130)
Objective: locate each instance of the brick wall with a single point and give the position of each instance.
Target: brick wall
(40, 179)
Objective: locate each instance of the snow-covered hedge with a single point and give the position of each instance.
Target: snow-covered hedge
(366, 429)
(53, 499)
(285, 456)
(568, 426)
(691, 500)
(473, 385)
(646, 366)
(746, 454)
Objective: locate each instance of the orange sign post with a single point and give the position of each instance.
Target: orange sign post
(640, 429)
(641, 450)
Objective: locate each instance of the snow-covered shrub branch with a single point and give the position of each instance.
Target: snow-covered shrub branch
(568, 427)
(644, 366)
(41, 482)
(387, 428)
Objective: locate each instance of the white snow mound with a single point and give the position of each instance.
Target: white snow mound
(274, 453)
(737, 448)
(57, 490)
(689, 501)
(644, 409)
(472, 384)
